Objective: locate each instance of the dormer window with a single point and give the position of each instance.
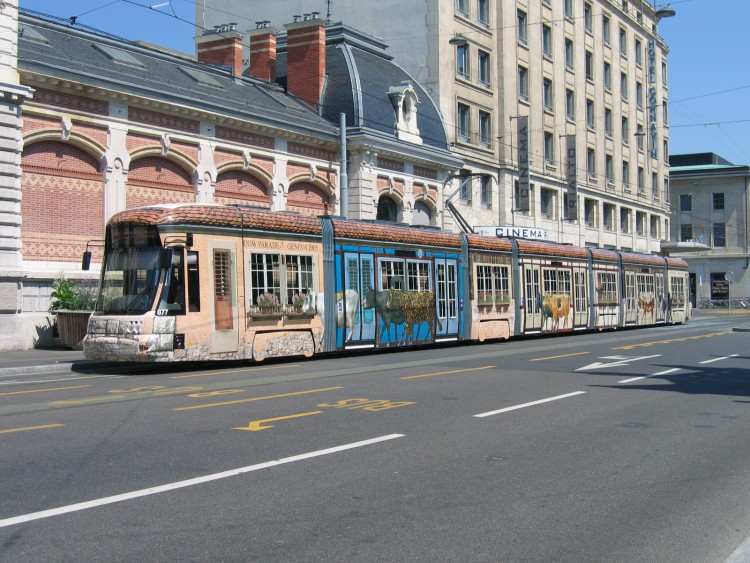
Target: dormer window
(405, 101)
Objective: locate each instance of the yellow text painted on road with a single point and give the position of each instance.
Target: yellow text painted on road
(215, 393)
(672, 340)
(256, 425)
(44, 390)
(252, 399)
(134, 392)
(158, 390)
(446, 372)
(558, 357)
(372, 405)
(226, 372)
(28, 428)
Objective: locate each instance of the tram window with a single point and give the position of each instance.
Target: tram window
(418, 276)
(193, 281)
(606, 287)
(392, 274)
(173, 293)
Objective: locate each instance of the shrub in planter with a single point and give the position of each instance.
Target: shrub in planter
(72, 303)
(72, 295)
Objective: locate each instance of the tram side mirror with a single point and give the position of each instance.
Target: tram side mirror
(86, 261)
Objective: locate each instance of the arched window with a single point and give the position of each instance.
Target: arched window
(387, 209)
(421, 215)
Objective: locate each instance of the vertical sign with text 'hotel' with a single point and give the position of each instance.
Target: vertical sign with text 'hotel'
(522, 201)
(572, 176)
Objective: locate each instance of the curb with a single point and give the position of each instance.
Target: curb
(54, 368)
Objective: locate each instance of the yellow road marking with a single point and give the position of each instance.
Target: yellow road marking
(446, 372)
(83, 401)
(27, 428)
(225, 403)
(43, 390)
(561, 356)
(233, 371)
(671, 340)
(256, 425)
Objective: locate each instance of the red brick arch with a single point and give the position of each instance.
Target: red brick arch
(237, 186)
(308, 199)
(63, 201)
(153, 179)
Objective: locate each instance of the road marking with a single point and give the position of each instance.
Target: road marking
(256, 425)
(188, 482)
(619, 361)
(27, 428)
(43, 390)
(85, 401)
(671, 340)
(561, 356)
(285, 366)
(445, 372)
(665, 372)
(718, 359)
(252, 399)
(531, 404)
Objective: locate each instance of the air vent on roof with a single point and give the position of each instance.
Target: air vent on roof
(119, 56)
(201, 77)
(31, 34)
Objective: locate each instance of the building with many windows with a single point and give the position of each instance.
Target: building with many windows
(710, 225)
(558, 109)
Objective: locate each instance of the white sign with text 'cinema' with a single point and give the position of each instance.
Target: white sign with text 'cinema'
(513, 232)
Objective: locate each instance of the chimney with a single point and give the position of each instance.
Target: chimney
(222, 46)
(263, 51)
(306, 58)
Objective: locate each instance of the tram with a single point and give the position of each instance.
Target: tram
(195, 282)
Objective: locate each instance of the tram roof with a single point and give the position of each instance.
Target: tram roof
(257, 219)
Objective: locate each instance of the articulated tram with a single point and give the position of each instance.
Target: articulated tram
(194, 282)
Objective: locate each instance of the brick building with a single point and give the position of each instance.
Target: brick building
(110, 124)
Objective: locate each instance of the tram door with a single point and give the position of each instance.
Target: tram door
(661, 300)
(532, 297)
(446, 297)
(223, 287)
(580, 300)
(631, 307)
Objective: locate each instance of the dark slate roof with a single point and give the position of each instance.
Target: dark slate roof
(698, 159)
(68, 53)
(359, 73)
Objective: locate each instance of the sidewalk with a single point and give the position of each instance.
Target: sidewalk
(45, 360)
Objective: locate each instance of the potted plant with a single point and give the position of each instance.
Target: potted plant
(484, 297)
(298, 300)
(72, 303)
(267, 302)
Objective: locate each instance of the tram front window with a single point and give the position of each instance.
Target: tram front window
(130, 281)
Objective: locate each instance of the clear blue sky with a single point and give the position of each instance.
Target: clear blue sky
(709, 60)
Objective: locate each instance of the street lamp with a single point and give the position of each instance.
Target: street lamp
(665, 12)
(458, 40)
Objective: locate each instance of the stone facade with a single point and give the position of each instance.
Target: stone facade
(468, 55)
(710, 226)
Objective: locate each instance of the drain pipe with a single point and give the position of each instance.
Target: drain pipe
(343, 176)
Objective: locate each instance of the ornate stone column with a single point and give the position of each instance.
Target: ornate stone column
(12, 95)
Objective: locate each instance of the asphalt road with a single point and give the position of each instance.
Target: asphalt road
(616, 446)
